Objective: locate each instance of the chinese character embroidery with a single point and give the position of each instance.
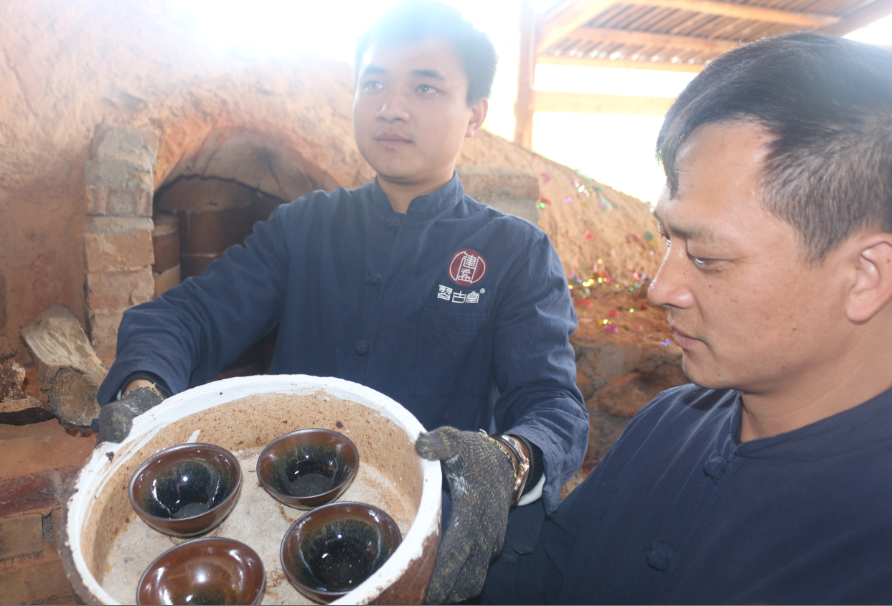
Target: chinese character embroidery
(445, 293)
(459, 297)
(473, 297)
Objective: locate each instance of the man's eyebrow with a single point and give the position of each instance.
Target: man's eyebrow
(427, 73)
(373, 69)
(688, 233)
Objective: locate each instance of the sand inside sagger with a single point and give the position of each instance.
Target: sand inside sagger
(389, 477)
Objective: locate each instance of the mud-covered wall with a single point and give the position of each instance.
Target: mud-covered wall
(68, 67)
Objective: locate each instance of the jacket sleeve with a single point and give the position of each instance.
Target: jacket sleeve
(187, 335)
(536, 368)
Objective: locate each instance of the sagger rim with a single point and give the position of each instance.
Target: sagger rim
(98, 470)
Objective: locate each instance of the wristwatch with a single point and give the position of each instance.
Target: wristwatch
(514, 450)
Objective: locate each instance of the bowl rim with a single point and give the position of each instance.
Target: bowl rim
(331, 492)
(208, 540)
(230, 458)
(306, 518)
(102, 465)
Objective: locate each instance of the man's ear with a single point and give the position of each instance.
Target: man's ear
(872, 288)
(478, 114)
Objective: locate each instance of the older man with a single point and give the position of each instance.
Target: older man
(768, 480)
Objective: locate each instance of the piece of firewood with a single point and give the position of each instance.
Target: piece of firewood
(70, 371)
(17, 407)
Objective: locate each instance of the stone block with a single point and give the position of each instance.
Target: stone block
(21, 535)
(40, 491)
(585, 385)
(119, 290)
(484, 182)
(122, 160)
(12, 587)
(114, 244)
(104, 332)
(46, 583)
(118, 202)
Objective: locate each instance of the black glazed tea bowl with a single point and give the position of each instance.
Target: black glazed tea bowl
(329, 551)
(204, 571)
(308, 467)
(186, 490)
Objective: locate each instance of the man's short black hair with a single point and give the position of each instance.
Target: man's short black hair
(827, 102)
(417, 20)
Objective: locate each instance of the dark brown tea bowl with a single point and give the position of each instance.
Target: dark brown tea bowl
(204, 571)
(329, 551)
(186, 490)
(308, 467)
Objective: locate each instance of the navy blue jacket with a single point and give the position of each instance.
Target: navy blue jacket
(455, 310)
(678, 512)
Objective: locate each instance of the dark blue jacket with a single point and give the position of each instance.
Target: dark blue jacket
(455, 310)
(678, 512)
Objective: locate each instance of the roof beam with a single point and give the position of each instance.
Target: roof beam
(577, 14)
(742, 11)
(632, 38)
(659, 66)
(588, 103)
(864, 15)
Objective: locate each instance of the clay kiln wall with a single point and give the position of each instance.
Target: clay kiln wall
(67, 67)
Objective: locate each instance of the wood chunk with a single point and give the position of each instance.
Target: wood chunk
(69, 369)
(17, 407)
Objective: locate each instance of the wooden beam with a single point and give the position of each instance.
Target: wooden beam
(864, 15)
(577, 14)
(657, 66)
(525, 103)
(589, 103)
(621, 36)
(742, 11)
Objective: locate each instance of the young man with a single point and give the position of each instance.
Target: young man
(766, 481)
(456, 311)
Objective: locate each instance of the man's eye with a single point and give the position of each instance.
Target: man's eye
(373, 85)
(701, 262)
(427, 89)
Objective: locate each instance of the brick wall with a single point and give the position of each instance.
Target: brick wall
(39, 462)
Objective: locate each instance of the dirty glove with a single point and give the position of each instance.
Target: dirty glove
(481, 480)
(116, 418)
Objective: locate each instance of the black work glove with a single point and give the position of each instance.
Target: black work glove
(116, 418)
(481, 479)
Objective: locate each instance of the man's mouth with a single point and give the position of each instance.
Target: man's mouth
(683, 339)
(392, 140)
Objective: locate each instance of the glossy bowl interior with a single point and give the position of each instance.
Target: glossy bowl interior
(186, 490)
(204, 571)
(308, 467)
(332, 549)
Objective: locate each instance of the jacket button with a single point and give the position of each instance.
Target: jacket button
(715, 468)
(659, 557)
(362, 348)
(393, 221)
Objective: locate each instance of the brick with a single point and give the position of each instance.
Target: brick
(46, 583)
(41, 491)
(21, 535)
(119, 290)
(56, 522)
(118, 244)
(118, 202)
(104, 333)
(12, 587)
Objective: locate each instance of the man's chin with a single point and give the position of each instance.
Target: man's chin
(701, 377)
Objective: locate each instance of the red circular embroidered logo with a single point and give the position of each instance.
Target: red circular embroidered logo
(467, 267)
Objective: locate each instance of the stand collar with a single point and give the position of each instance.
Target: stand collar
(437, 201)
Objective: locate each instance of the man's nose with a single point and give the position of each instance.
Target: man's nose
(394, 107)
(670, 287)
